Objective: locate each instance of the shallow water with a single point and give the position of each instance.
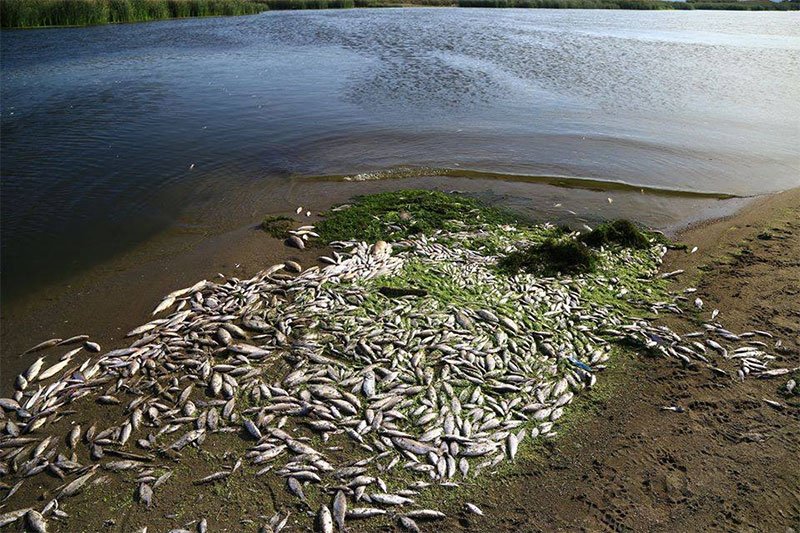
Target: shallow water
(101, 126)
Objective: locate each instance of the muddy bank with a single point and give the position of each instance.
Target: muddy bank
(622, 464)
(118, 293)
(333, 328)
(729, 461)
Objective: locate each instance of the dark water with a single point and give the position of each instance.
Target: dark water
(100, 126)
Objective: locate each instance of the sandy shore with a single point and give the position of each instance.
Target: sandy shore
(729, 462)
(113, 297)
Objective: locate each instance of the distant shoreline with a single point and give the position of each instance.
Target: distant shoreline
(23, 14)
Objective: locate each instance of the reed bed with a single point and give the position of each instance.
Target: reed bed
(334, 4)
(39, 13)
(42, 13)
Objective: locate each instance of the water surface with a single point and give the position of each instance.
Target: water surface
(114, 134)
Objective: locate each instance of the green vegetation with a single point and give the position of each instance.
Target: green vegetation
(277, 226)
(551, 257)
(340, 4)
(438, 284)
(391, 216)
(38, 13)
(618, 232)
(44, 13)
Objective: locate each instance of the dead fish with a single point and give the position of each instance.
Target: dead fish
(145, 494)
(488, 316)
(413, 446)
(21, 383)
(42, 346)
(414, 386)
(13, 516)
(715, 345)
(187, 439)
(364, 512)
(472, 508)
(295, 242)
(92, 346)
(295, 488)
(53, 370)
(162, 479)
(512, 443)
(120, 466)
(252, 429)
(73, 340)
(74, 487)
(775, 372)
(7, 404)
(324, 522)
(408, 524)
(33, 371)
(108, 400)
(426, 514)
(13, 490)
(165, 304)
(510, 324)
(35, 522)
(293, 266)
(463, 320)
(216, 476)
(390, 499)
(775, 405)
(339, 509)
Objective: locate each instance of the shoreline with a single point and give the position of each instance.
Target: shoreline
(627, 433)
(119, 293)
(717, 465)
(265, 6)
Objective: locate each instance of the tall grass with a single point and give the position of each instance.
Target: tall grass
(308, 4)
(333, 4)
(37, 13)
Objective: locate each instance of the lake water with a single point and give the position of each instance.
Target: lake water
(114, 134)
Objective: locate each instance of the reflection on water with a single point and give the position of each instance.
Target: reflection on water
(112, 134)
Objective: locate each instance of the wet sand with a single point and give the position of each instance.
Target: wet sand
(118, 294)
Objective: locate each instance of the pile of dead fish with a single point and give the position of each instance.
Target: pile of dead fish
(415, 391)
